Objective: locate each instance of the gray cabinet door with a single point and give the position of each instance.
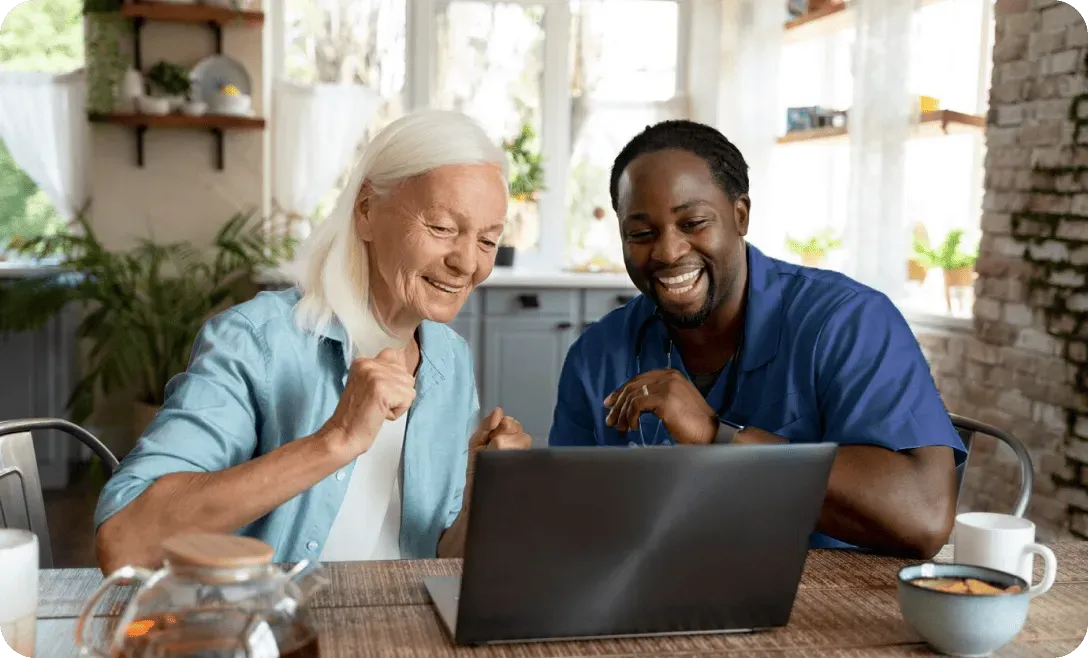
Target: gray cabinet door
(468, 327)
(522, 361)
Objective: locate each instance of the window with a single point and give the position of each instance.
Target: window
(621, 81)
(562, 67)
(951, 42)
(39, 35)
(348, 42)
(489, 64)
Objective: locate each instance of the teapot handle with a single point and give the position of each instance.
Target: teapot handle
(308, 576)
(122, 574)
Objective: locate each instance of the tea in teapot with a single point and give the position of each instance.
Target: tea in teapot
(216, 596)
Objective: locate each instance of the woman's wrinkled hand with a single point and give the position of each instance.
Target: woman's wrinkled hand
(378, 389)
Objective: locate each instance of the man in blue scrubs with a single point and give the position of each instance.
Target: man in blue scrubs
(729, 345)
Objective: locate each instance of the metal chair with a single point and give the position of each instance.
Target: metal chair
(21, 502)
(968, 428)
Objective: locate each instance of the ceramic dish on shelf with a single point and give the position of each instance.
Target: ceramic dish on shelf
(213, 74)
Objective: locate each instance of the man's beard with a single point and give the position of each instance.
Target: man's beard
(696, 318)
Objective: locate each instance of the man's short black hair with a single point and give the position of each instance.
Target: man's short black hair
(722, 156)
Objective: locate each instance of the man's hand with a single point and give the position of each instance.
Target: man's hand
(668, 395)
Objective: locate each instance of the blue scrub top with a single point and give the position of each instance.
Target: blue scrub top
(824, 359)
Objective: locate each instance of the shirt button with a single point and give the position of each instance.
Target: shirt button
(312, 546)
(340, 476)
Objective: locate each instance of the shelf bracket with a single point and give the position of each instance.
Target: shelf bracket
(218, 133)
(217, 30)
(140, 130)
(137, 26)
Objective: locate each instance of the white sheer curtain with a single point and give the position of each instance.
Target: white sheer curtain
(43, 123)
(318, 129)
(752, 44)
(882, 115)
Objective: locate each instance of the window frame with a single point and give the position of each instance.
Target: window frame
(420, 55)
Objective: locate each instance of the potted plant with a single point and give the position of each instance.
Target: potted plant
(813, 251)
(169, 81)
(957, 265)
(526, 182)
(142, 307)
(916, 264)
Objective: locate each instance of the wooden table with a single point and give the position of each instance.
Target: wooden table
(846, 606)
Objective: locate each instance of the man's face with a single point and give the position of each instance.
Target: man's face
(683, 239)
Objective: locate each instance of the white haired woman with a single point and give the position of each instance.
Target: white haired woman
(332, 420)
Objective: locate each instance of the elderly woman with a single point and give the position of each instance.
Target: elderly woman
(332, 420)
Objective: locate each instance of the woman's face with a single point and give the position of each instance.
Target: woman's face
(431, 241)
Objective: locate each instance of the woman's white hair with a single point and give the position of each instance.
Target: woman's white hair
(332, 271)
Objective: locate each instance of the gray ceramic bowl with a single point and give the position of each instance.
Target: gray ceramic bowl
(962, 624)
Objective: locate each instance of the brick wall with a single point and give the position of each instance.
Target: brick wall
(1023, 367)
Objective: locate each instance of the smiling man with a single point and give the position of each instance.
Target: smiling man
(728, 345)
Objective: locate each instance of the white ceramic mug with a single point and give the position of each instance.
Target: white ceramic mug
(19, 586)
(1005, 543)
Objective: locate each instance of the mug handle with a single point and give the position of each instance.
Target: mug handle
(122, 574)
(1050, 569)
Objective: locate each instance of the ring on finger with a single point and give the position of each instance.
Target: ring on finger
(645, 391)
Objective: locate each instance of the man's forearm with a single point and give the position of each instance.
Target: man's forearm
(220, 502)
(887, 501)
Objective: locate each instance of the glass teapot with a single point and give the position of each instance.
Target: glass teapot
(216, 596)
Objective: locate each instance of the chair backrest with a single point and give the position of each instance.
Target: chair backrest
(968, 428)
(21, 503)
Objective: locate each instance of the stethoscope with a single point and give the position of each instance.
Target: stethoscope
(731, 380)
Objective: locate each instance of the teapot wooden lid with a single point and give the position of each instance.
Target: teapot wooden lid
(216, 551)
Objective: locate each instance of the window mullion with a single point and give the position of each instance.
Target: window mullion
(555, 137)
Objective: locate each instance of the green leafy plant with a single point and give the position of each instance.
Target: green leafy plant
(168, 79)
(526, 168)
(817, 245)
(143, 307)
(947, 255)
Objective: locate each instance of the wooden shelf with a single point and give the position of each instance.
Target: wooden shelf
(203, 122)
(217, 124)
(940, 122)
(215, 18)
(827, 20)
(826, 11)
(169, 12)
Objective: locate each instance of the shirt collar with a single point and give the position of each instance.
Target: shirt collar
(763, 318)
(436, 352)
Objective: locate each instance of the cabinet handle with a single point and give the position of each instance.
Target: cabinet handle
(623, 300)
(529, 301)
(564, 325)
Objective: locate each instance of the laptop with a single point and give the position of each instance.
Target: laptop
(585, 543)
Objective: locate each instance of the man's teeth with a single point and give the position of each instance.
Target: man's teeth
(681, 278)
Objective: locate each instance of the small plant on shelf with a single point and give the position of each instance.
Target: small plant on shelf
(526, 183)
(957, 264)
(168, 80)
(813, 251)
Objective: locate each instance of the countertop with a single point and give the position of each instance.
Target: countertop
(506, 277)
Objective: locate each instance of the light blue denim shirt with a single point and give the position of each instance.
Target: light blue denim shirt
(255, 382)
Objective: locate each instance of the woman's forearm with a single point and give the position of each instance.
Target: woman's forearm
(221, 502)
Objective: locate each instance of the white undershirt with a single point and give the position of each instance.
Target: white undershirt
(367, 527)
